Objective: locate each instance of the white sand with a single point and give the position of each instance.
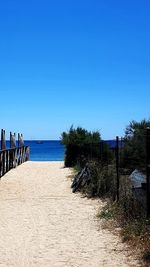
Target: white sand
(42, 223)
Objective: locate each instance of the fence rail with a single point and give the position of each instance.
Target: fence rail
(13, 156)
(111, 154)
(142, 192)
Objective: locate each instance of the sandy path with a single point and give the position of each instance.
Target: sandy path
(43, 224)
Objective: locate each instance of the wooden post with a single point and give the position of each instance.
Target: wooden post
(20, 140)
(148, 170)
(117, 165)
(3, 163)
(3, 141)
(13, 146)
(7, 160)
(10, 138)
(0, 165)
(27, 153)
(15, 151)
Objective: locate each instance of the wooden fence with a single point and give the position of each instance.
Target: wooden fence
(147, 184)
(13, 156)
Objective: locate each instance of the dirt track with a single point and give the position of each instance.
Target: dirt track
(43, 224)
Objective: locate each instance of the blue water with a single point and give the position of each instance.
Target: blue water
(47, 151)
(51, 150)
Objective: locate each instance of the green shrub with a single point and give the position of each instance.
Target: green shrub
(80, 146)
(102, 180)
(133, 155)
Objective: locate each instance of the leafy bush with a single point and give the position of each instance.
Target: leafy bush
(80, 145)
(103, 181)
(134, 152)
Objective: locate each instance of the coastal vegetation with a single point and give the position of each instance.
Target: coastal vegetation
(133, 154)
(84, 148)
(80, 144)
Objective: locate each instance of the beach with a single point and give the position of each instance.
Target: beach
(44, 224)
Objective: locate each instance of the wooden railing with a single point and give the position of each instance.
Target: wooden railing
(14, 156)
(11, 158)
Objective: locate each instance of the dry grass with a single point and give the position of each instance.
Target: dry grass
(125, 217)
(135, 232)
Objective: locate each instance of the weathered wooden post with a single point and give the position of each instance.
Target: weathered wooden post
(3, 147)
(21, 147)
(3, 141)
(13, 147)
(7, 160)
(20, 140)
(0, 164)
(117, 165)
(12, 140)
(148, 170)
(27, 153)
(10, 155)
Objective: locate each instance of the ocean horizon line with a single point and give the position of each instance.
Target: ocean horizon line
(55, 140)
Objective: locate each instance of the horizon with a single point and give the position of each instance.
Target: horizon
(26, 140)
(85, 63)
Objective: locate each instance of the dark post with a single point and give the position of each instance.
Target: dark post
(3, 141)
(148, 170)
(1, 157)
(7, 160)
(18, 139)
(10, 138)
(3, 147)
(117, 165)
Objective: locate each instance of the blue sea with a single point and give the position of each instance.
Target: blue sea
(50, 150)
(45, 150)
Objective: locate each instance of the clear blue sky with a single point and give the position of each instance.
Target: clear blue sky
(81, 62)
